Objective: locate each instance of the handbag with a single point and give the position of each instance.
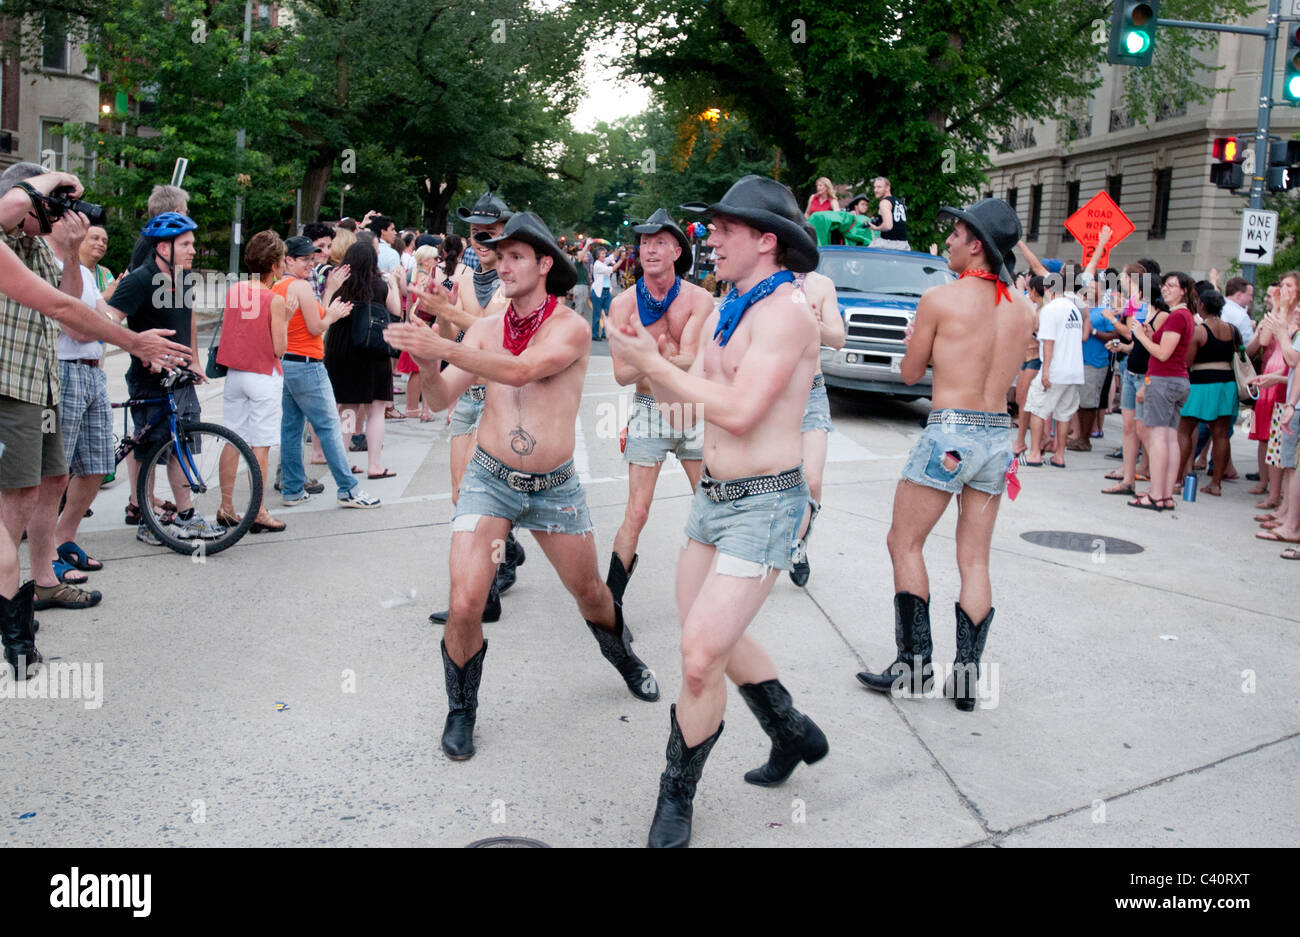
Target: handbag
(1244, 371)
(368, 323)
(214, 370)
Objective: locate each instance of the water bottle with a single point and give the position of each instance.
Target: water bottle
(1189, 487)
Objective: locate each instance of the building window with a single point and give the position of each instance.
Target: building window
(54, 146)
(1160, 211)
(1035, 211)
(1114, 186)
(988, 194)
(55, 48)
(1012, 194)
(1071, 204)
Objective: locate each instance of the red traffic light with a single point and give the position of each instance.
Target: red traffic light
(1225, 149)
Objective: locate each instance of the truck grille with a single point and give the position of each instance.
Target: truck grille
(877, 326)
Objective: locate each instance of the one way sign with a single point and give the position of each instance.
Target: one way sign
(1258, 236)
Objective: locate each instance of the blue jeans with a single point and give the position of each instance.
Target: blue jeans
(599, 306)
(309, 396)
(951, 455)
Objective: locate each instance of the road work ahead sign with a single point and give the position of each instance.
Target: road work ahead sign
(1258, 237)
(1086, 224)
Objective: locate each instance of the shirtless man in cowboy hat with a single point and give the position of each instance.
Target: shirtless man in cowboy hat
(973, 332)
(749, 383)
(675, 310)
(474, 295)
(534, 359)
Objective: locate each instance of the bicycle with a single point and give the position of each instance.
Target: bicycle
(198, 469)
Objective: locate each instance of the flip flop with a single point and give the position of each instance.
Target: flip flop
(1212, 490)
(356, 470)
(1054, 464)
(1119, 490)
(76, 557)
(64, 570)
(1145, 502)
(1274, 536)
(1114, 476)
(1033, 464)
(386, 473)
(1291, 553)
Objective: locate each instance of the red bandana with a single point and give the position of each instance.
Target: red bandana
(519, 331)
(1002, 291)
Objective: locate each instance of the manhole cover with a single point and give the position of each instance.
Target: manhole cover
(1080, 543)
(508, 842)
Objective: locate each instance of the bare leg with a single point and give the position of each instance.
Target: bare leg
(1222, 451)
(227, 469)
(916, 510)
(472, 571)
(462, 450)
(40, 528)
(815, 444)
(975, 522)
(1130, 447)
(1062, 431)
(641, 481)
(693, 469)
(263, 456)
(1036, 427)
(1186, 445)
(1024, 419)
(413, 407)
(1291, 519)
(574, 559)
(81, 494)
(375, 435)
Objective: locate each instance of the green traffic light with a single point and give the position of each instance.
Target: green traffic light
(1293, 88)
(1136, 42)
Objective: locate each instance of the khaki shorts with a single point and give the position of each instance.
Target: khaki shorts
(1058, 402)
(31, 444)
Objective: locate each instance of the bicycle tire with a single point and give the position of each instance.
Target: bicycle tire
(248, 512)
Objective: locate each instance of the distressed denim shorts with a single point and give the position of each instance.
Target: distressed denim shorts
(561, 510)
(950, 455)
(465, 415)
(761, 529)
(650, 436)
(817, 414)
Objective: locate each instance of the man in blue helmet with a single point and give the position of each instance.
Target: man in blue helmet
(152, 296)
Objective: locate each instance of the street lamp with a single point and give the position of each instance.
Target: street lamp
(342, 192)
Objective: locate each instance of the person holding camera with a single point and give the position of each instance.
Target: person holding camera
(32, 465)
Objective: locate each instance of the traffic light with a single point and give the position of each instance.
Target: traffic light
(1291, 71)
(1283, 155)
(1226, 172)
(1133, 32)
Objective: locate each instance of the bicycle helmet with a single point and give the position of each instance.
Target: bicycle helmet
(168, 225)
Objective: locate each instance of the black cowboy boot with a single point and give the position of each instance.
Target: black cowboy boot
(618, 575)
(966, 667)
(794, 736)
(491, 609)
(912, 635)
(513, 557)
(616, 646)
(462, 703)
(800, 570)
(18, 631)
(671, 827)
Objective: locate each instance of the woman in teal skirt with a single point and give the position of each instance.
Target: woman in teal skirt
(1213, 395)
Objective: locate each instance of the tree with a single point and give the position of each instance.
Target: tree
(918, 90)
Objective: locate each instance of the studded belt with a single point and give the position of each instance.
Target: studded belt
(736, 488)
(819, 380)
(949, 417)
(643, 400)
(477, 392)
(528, 482)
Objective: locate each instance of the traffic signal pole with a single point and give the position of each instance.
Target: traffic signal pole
(1269, 34)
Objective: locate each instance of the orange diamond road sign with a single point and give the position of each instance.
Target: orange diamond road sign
(1086, 224)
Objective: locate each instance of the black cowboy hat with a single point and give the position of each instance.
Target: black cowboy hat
(857, 198)
(487, 210)
(527, 227)
(428, 240)
(769, 206)
(994, 222)
(662, 221)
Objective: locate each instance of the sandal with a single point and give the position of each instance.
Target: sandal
(1114, 476)
(76, 557)
(1078, 445)
(65, 595)
(1145, 502)
(1291, 553)
(228, 519)
(268, 526)
(386, 473)
(392, 413)
(1270, 504)
(132, 518)
(1167, 507)
(1119, 490)
(1212, 490)
(64, 572)
(1260, 489)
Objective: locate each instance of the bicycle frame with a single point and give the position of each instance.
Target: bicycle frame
(129, 442)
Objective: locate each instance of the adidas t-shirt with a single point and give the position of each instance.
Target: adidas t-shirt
(1061, 322)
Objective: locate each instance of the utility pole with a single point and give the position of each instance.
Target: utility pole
(236, 235)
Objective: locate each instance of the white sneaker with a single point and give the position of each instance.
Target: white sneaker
(356, 498)
(291, 502)
(196, 528)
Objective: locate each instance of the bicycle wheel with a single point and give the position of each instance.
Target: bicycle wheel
(202, 447)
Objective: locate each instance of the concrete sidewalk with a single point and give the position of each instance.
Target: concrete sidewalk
(290, 691)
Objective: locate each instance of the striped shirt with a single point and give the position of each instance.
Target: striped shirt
(29, 366)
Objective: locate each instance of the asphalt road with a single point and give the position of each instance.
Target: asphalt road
(290, 690)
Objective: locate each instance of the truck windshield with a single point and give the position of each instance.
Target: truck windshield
(878, 271)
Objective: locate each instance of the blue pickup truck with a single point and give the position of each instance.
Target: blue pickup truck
(878, 291)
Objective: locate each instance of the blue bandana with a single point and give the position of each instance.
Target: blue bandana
(735, 305)
(651, 309)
